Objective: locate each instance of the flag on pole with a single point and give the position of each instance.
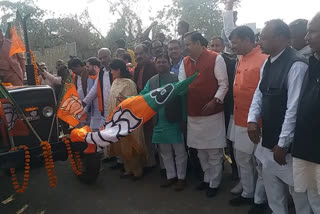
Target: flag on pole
(129, 115)
(17, 45)
(70, 108)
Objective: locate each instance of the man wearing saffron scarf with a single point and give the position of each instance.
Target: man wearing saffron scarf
(99, 94)
(93, 66)
(206, 125)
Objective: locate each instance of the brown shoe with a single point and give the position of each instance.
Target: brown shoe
(169, 182)
(180, 185)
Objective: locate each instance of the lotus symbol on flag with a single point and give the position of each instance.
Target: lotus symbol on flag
(162, 94)
(73, 106)
(11, 116)
(122, 123)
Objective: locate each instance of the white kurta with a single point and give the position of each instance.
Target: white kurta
(277, 178)
(92, 97)
(239, 135)
(208, 132)
(306, 175)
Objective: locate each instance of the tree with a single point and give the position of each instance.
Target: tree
(202, 15)
(51, 32)
(127, 26)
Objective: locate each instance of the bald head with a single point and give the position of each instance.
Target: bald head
(313, 34)
(104, 55)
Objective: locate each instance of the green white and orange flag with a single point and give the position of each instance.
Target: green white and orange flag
(130, 115)
(70, 108)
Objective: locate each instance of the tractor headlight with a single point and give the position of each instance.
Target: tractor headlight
(47, 111)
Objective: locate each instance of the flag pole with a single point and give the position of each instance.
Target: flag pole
(29, 66)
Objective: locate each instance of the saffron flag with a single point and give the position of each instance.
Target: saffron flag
(17, 45)
(70, 108)
(11, 121)
(129, 115)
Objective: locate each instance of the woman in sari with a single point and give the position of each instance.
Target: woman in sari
(131, 149)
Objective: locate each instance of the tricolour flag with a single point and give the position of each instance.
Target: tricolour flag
(70, 108)
(130, 115)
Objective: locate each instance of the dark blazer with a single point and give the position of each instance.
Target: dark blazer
(148, 72)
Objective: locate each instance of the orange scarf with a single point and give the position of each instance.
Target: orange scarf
(100, 98)
(95, 76)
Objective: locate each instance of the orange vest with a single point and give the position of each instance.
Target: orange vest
(245, 83)
(205, 86)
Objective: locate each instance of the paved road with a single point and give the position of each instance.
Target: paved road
(113, 195)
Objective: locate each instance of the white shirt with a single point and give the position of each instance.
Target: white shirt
(295, 79)
(80, 89)
(306, 51)
(220, 72)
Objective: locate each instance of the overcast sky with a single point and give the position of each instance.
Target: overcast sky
(257, 11)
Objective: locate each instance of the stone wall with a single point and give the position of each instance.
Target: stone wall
(51, 55)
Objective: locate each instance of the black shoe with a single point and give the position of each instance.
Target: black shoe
(181, 184)
(137, 178)
(169, 182)
(202, 186)
(148, 169)
(108, 160)
(116, 166)
(124, 175)
(163, 173)
(239, 201)
(258, 209)
(211, 192)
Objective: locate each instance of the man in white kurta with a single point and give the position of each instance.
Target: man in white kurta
(206, 132)
(92, 99)
(276, 101)
(98, 117)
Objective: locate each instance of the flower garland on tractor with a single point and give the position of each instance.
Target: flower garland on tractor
(26, 170)
(75, 161)
(47, 154)
(35, 68)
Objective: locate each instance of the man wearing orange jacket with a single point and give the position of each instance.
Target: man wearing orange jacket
(246, 80)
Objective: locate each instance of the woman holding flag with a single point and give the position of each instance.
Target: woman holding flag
(131, 149)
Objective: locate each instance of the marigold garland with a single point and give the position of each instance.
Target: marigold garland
(26, 175)
(47, 154)
(75, 161)
(35, 68)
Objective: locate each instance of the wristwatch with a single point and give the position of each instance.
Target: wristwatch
(218, 100)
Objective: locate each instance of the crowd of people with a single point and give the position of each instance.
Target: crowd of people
(256, 95)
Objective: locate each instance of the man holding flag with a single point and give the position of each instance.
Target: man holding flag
(12, 63)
